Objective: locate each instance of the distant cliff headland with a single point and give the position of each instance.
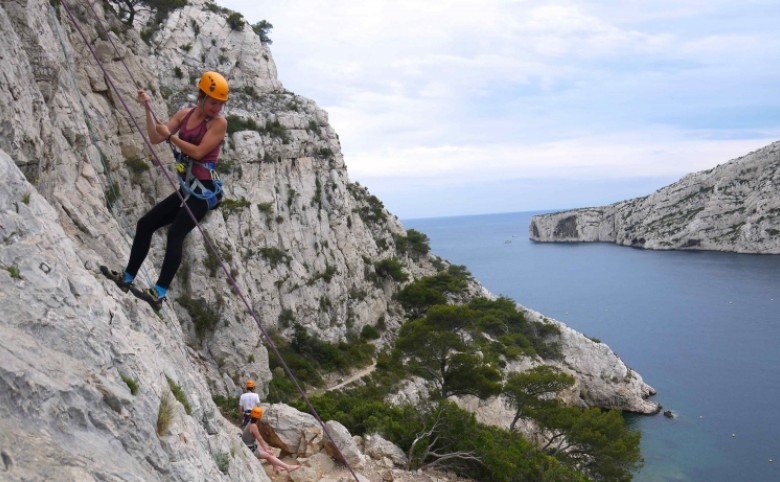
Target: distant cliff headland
(733, 207)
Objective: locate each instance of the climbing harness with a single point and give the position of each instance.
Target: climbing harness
(191, 185)
(236, 289)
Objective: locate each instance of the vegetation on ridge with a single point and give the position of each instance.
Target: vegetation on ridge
(459, 349)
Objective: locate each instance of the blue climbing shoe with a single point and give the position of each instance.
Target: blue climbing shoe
(119, 278)
(150, 296)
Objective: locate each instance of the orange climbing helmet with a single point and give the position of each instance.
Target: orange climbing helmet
(214, 85)
(250, 384)
(257, 413)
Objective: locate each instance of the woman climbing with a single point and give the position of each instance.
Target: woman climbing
(197, 132)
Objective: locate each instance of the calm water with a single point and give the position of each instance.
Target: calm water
(701, 327)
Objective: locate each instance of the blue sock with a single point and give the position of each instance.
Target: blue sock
(128, 278)
(161, 292)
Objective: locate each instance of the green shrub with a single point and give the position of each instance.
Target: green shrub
(230, 206)
(137, 167)
(342, 356)
(204, 317)
(262, 28)
(236, 21)
(498, 454)
(281, 389)
(317, 198)
(304, 370)
(132, 384)
(401, 243)
(226, 166)
(373, 211)
(164, 413)
(326, 275)
(276, 129)
(228, 407)
(291, 193)
(222, 460)
(275, 256)
(391, 268)
(212, 262)
(307, 356)
(238, 124)
(179, 394)
(286, 318)
(427, 291)
(369, 333)
(418, 243)
(111, 194)
(216, 8)
(147, 34)
(13, 271)
(271, 128)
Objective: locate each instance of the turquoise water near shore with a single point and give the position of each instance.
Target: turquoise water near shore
(702, 328)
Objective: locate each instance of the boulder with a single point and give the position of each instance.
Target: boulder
(341, 444)
(292, 431)
(377, 447)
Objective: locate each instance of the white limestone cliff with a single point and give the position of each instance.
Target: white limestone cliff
(300, 239)
(732, 207)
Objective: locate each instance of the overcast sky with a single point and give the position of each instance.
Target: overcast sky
(480, 106)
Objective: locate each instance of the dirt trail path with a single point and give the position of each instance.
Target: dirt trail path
(353, 377)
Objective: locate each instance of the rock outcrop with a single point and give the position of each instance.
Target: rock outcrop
(93, 383)
(732, 207)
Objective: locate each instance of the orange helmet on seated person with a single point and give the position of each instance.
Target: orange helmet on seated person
(257, 413)
(214, 85)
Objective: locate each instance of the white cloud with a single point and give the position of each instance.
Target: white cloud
(483, 90)
(591, 158)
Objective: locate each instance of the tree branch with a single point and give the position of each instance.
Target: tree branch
(460, 455)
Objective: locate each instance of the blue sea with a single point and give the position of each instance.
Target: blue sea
(702, 328)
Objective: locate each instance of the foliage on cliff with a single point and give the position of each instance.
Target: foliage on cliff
(459, 350)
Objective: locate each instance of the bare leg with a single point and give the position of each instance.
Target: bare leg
(275, 462)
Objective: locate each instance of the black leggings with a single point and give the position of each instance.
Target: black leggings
(168, 211)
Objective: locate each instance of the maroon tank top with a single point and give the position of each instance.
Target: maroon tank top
(195, 136)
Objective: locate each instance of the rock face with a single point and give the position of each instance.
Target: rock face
(602, 378)
(92, 381)
(72, 346)
(732, 207)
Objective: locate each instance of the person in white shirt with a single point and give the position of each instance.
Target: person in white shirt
(248, 401)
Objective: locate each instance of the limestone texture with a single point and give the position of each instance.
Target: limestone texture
(732, 207)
